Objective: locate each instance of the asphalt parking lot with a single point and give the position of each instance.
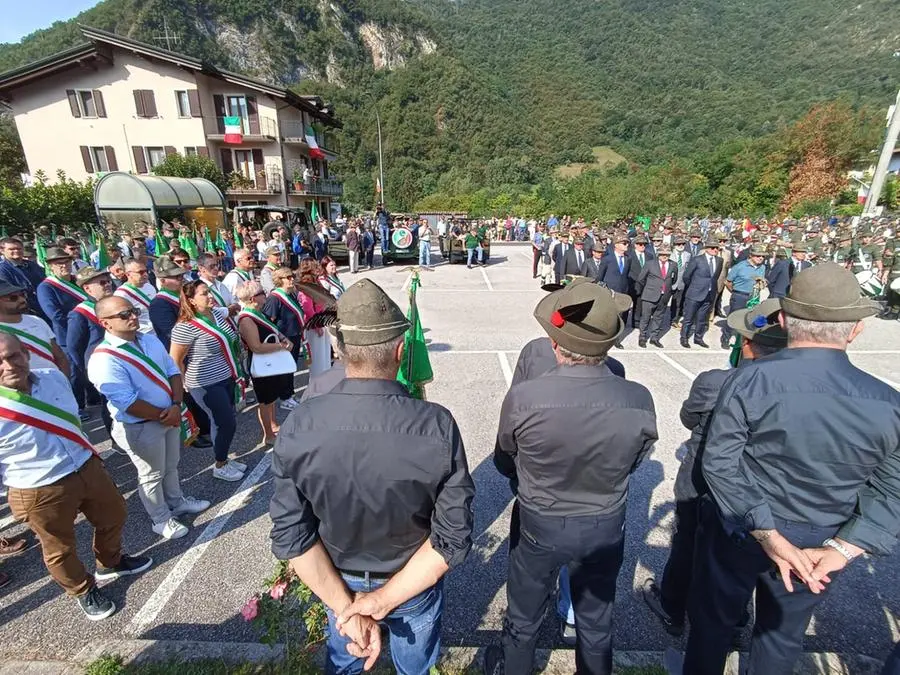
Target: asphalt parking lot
(476, 321)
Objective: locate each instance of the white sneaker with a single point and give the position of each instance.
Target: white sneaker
(190, 505)
(227, 472)
(289, 404)
(240, 466)
(171, 529)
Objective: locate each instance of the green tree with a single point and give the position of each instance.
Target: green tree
(192, 166)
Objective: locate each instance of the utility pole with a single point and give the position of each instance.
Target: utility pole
(380, 155)
(169, 38)
(884, 161)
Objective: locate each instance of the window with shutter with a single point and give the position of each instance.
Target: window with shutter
(149, 103)
(140, 163)
(203, 151)
(73, 102)
(98, 155)
(98, 102)
(227, 161)
(182, 104)
(219, 105)
(170, 150)
(155, 157)
(86, 158)
(194, 103)
(111, 158)
(139, 103)
(253, 115)
(259, 169)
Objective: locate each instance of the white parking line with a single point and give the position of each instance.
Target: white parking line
(147, 614)
(486, 280)
(677, 366)
(504, 366)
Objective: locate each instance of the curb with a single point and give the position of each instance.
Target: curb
(456, 659)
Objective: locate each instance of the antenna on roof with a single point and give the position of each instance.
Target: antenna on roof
(170, 38)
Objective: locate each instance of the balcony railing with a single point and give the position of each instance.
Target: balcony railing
(293, 131)
(324, 187)
(267, 182)
(267, 130)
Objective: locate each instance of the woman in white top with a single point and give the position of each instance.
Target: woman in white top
(329, 280)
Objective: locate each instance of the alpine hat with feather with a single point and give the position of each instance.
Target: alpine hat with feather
(582, 317)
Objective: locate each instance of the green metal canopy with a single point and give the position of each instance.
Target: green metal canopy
(120, 191)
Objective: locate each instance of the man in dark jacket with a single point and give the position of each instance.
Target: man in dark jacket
(760, 337)
(700, 287)
(15, 269)
(778, 278)
(615, 269)
(639, 258)
(373, 509)
(573, 261)
(558, 255)
(656, 284)
(573, 467)
(783, 513)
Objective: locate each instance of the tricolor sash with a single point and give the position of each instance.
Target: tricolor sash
(244, 275)
(33, 344)
(220, 301)
(271, 266)
(230, 348)
(291, 303)
(258, 318)
(67, 287)
(156, 375)
(24, 409)
(86, 309)
(134, 294)
(332, 284)
(169, 296)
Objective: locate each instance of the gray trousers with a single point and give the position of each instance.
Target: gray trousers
(354, 260)
(155, 451)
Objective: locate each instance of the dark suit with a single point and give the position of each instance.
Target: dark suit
(558, 255)
(700, 288)
(633, 274)
(797, 266)
(591, 268)
(570, 261)
(779, 278)
(694, 249)
(609, 275)
(656, 291)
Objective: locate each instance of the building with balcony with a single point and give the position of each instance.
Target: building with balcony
(116, 104)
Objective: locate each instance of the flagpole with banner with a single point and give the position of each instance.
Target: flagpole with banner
(415, 368)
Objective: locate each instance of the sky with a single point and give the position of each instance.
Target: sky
(21, 17)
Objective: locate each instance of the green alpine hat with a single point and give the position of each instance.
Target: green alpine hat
(366, 315)
(760, 323)
(56, 253)
(165, 268)
(827, 292)
(88, 274)
(583, 318)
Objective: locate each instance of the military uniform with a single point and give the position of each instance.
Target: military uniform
(892, 267)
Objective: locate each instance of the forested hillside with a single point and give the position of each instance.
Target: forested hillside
(482, 99)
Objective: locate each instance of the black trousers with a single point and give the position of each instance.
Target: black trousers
(677, 575)
(636, 309)
(738, 301)
(652, 316)
(677, 305)
(731, 569)
(200, 416)
(593, 548)
(892, 665)
(535, 260)
(696, 318)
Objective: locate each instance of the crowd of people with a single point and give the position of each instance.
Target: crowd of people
(372, 509)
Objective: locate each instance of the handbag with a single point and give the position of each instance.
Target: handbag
(276, 363)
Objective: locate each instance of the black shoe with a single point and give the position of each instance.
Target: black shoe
(685, 343)
(203, 441)
(642, 343)
(653, 600)
(95, 606)
(468, 267)
(494, 663)
(567, 633)
(656, 343)
(724, 343)
(128, 565)
(700, 343)
(619, 345)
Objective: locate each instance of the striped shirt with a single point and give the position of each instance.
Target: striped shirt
(206, 363)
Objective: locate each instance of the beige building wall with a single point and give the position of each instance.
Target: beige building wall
(52, 136)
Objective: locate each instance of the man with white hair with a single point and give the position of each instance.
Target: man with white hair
(242, 272)
(138, 291)
(802, 460)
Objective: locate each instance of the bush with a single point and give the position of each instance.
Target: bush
(192, 166)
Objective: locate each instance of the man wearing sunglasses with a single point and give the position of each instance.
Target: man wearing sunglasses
(33, 332)
(208, 269)
(143, 388)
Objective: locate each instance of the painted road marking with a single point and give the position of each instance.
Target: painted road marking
(677, 366)
(487, 281)
(147, 614)
(504, 366)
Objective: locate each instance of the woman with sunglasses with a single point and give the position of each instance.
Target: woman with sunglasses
(284, 309)
(206, 349)
(255, 329)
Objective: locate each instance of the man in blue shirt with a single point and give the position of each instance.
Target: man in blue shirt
(15, 269)
(143, 388)
(53, 473)
(740, 282)
(537, 247)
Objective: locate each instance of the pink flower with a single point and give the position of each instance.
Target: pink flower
(278, 590)
(250, 609)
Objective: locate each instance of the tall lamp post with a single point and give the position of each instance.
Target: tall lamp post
(380, 155)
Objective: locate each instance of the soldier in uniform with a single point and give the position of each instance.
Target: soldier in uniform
(843, 251)
(781, 512)
(573, 466)
(761, 335)
(867, 255)
(891, 262)
(376, 504)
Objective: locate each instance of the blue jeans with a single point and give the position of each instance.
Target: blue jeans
(470, 253)
(424, 252)
(564, 598)
(217, 401)
(385, 232)
(415, 632)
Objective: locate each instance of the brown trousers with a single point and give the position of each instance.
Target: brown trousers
(50, 511)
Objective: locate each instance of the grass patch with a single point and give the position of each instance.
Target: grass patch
(113, 665)
(604, 158)
(640, 670)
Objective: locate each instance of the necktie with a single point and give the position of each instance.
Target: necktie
(579, 258)
(621, 264)
(641, 259)
(712, 265)
(663, 269)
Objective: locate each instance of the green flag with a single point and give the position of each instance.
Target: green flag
(220, 240)
(735, 357)
(162, 244)
(415, 369)
(189, 244)
(40, 252)
(314, 213)
(238, 242)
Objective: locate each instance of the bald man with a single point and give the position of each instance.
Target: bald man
(52, 473)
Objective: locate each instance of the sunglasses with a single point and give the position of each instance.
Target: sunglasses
(261, 293)
(13, 296)
(124, 315)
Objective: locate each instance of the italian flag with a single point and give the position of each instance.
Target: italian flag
(233, 130)
(314, 150)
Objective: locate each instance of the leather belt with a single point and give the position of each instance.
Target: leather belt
(378, 576)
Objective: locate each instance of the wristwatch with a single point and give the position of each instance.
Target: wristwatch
(839, 547)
